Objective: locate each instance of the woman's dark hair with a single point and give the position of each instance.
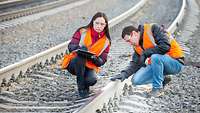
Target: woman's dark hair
(106, 29)
(127, 30)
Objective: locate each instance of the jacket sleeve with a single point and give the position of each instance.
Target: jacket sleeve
(133, 66)
(74, 43)
(161, 39)
(102, 59)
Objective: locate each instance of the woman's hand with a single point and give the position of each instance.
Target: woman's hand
(96, 60)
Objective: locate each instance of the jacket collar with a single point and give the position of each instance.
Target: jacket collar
(96, 34)
(141, 30)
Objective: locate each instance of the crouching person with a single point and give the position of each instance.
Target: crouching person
(156, 55)
(94, 38)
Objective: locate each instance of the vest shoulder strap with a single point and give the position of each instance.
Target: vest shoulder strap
(147, 29)
(107, 43)
(83, 32)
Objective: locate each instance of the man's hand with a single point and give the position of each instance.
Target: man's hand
(121, 77)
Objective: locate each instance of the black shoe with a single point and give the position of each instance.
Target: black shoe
(166, 81)
(87, 88)
(83, 93)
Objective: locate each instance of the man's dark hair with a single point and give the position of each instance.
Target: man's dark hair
(127, 30)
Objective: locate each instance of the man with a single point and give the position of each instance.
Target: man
(156, 55)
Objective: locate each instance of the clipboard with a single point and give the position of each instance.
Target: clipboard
(84, 53)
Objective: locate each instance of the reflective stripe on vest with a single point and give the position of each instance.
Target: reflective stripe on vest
(149, 42)
(175, 50)
(86, 40)
(81, 42)
(105, 46)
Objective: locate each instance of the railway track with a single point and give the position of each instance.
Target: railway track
(13, 5)
(18, 17)
(43, 68)
(8, 14)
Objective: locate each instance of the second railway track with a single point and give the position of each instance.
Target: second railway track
(17, 9)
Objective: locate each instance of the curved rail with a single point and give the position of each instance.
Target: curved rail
(114, 89)
(36, 16)
(178, 19)
(28, 11)
(10, 2)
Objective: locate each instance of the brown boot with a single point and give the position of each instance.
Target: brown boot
(155, 92)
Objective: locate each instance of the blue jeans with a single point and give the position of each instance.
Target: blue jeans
(154, 73)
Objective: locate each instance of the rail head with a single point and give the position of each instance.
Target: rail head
(10, 2)
(24, 12)
(178, 19)
(21, 67)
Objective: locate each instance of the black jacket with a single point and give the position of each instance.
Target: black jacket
(162, 47)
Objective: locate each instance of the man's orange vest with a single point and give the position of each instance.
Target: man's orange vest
(86, 40)
(149, 42)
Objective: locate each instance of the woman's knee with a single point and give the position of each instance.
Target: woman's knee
(91, 81)
(90, 77)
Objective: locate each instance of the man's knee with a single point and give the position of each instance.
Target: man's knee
(155, 58)
(136, 81)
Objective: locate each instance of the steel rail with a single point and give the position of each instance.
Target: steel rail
(36, 16)
(10, 2)
(114, 89)
(28, 11)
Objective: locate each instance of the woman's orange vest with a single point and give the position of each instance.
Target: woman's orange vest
(86, 40)
(149, 42)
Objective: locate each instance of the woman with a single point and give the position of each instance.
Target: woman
(94, 38)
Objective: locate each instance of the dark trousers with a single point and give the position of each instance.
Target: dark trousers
(85, 77)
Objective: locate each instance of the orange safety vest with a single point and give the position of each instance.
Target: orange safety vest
(149, 42)
(86, 40)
